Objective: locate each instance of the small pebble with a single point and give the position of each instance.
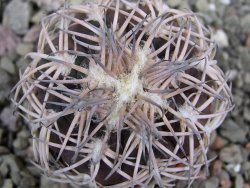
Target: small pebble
(16, 16)
(4, 150)
(235, 167)
(225, 2)
(49, 5)
(248, 145)
(20, 143)
(246, 114)
(231, 154)
(24, 48)
(9, 119)
(7, 65)
(1, 135)
(246, 185)
(221, 38)
(45, 182)
(212, 7)
(8, 41)
(33, 34)
(245, 21)
(218, 143)
(7, 183)
(4, 169)
(225, 181)
(248, 41)
(36, 19)
(174, 3)
(13, 162)
(244, 56)
(229, 127)
(247, 78)
(15, 177)
(202, 5)
(27, 181)
(216, 167)
(212, 182)
(239, 181)
(4, 86)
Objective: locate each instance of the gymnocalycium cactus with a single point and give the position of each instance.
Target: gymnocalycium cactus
(123, 94)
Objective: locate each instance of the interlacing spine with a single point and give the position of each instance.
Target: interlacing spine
(123, 94)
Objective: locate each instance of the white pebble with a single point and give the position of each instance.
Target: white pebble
(221, 38)
(212, 7)
(237, 168)
(225, 2)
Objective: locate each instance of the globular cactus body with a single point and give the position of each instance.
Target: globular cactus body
(123, 94)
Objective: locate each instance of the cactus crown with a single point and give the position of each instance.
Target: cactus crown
(121, 94)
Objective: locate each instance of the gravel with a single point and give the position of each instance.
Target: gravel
(230, 19)
(7, 183)
(212, 182)
(24, 48)
(174, 3)
(244, 57)
(202, 5)
(231, 154)
(246, 114)
(221, 38)
(16, 16)
(8, 40)
(32, 35)
(9, 119)
(45, 182)
(229, 127)
(7, 65)
(4, 86)
(239, 181)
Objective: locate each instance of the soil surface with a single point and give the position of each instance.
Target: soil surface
(230, 22)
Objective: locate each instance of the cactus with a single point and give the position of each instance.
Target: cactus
(123, 94)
